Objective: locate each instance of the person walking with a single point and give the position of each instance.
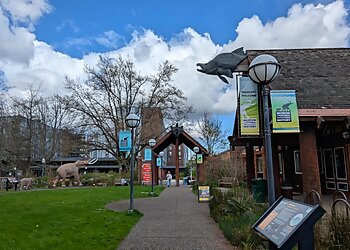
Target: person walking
(169, 177)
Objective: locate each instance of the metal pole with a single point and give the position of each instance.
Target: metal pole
(268, 147)
(152, 175)
(131, 209)
(161, 165)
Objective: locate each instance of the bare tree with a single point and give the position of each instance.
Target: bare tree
(211, 135)
(35, 128)
(114, 89)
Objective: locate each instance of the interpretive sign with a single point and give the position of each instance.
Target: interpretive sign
(286, 221)
(284, 111)
(203, 193)
(146, 173)
(248, 107)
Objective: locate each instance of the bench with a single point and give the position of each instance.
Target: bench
(226, 182)
(118, 182)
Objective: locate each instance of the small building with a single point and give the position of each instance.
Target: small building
(317, 158)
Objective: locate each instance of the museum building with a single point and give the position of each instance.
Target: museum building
(318, 157)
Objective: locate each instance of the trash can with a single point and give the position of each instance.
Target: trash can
(287, 192)
(259, 190)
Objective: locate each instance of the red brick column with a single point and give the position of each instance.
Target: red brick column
(309, 160)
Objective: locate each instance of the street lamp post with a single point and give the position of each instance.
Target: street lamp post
(263, 70)
(132, 121)
(152, 143)
(196, 150)
(161, 154)
(43, 161)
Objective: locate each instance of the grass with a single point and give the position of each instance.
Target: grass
(65, 218)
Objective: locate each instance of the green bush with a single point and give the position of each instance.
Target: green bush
(235, 211)
(40, 182)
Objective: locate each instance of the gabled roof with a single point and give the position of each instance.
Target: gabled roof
(184, 138)
(320, 76)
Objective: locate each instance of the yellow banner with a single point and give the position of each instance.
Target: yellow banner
(248, 107)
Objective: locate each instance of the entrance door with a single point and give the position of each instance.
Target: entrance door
(335, 169)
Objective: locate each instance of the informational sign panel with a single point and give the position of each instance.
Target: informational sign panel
(146, 173)
(199, 158)
(124, 141)
(284, 111)
(159, 162)
(284, 218)
(248, 107)
(203, 193)
(148, 154)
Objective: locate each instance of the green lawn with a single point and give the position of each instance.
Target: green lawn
(65, 218)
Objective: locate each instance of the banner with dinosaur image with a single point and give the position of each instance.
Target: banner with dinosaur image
(284, 111)
(248, 107)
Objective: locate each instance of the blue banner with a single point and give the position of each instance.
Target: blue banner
(124, 140)
(159, 162)
(148, 154)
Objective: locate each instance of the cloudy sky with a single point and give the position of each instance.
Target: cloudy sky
(41, 41)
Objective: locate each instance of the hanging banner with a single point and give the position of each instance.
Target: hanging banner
(148, 154)
(124, 141)
(284, 111)
(159, 162)
(199, 158)
(248, 107)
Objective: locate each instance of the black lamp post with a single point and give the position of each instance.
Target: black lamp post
(43, 161)
(196, 150)
(152, 143)
(132, 121)
(263, 70)
(161, 154)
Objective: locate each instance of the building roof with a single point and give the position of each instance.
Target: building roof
(320, 76)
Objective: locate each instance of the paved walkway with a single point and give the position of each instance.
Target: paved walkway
(174, 220)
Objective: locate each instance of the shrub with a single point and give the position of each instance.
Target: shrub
(333, 232)
(235, 211)
(40, 182)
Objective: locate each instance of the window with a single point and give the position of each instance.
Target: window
(259, 164)
(328, 163)
(339, 161)
(320, 161)
(342, 186)
(280, 162)
(297, 162)
(330, 185)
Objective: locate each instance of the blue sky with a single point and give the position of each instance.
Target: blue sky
(42, 41)
(72, 27)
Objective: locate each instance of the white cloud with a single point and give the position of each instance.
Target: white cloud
(16, 43)
(68, 23)
(303, 26)
(26, 11)
(110, 39)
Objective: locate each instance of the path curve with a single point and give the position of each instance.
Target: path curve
(174, 220)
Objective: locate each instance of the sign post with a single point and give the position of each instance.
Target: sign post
(146, 173)
(288, 222)
(203, 193)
